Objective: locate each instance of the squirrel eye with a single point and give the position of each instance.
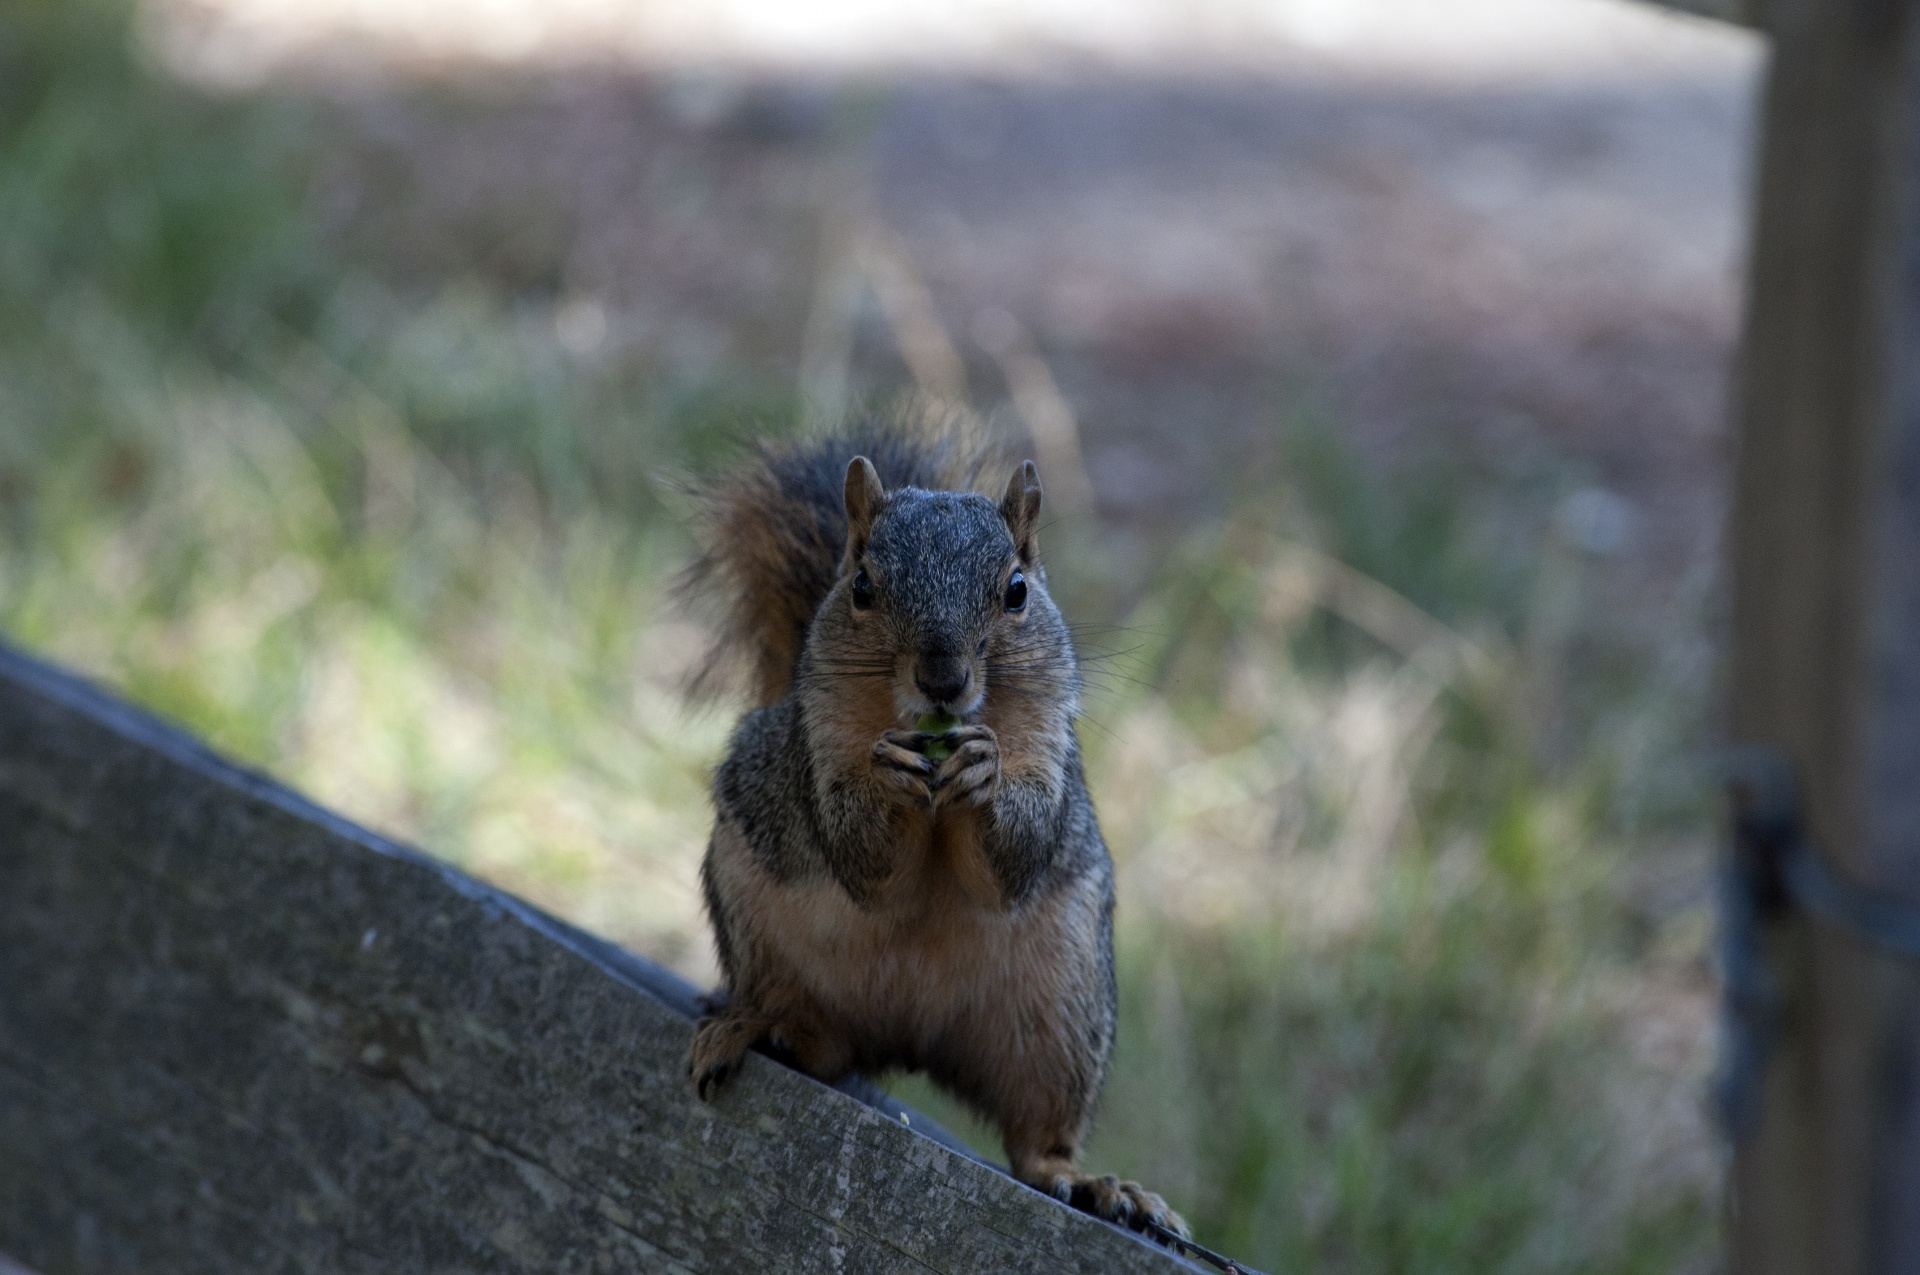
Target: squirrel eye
(862, 589)
(1016, 592)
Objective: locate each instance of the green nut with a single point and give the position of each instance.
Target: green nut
(939, 725)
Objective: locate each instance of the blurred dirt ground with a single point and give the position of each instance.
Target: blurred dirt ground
(1507, 231)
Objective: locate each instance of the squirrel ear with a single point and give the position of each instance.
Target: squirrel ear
(1021, 509)
(865, 495)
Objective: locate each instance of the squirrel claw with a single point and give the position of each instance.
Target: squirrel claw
(972, 773)
(708, 1082)
(904, 748)
(906, 773)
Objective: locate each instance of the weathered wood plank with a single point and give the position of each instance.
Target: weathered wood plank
(238, 1034)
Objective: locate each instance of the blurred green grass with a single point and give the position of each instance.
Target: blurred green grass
(1412, 932)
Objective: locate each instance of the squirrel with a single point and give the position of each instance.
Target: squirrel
(881, 896)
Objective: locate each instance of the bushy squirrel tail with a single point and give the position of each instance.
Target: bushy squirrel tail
(773, 526)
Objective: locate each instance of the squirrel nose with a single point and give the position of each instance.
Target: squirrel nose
(942, 678)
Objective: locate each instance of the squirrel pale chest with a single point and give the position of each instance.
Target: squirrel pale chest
(933, 946)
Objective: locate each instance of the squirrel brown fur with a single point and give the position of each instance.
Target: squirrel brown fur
(875, 908)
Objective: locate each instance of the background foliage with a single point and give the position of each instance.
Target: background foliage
(1411, 846)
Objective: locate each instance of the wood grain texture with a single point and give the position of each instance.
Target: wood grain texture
(238, 1034)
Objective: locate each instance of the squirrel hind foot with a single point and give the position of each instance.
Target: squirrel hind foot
(720, 1044)
(1106, 1197)
(1127, 1204)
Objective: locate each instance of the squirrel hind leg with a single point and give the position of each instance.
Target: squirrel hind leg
(809, 1042)
(800, 1036)
(1103, 1195)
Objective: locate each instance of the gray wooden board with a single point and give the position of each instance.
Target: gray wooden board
(239, 1034)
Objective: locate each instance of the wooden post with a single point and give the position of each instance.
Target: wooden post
(240, 1036)
(1825, 552)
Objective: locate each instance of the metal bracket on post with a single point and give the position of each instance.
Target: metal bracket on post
(1769, 870)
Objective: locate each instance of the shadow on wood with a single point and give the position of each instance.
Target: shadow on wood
(239, 1034)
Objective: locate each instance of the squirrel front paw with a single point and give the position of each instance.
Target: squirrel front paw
(905, 773)
(971, 775)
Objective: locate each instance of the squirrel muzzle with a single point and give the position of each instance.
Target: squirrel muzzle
(945, 678)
